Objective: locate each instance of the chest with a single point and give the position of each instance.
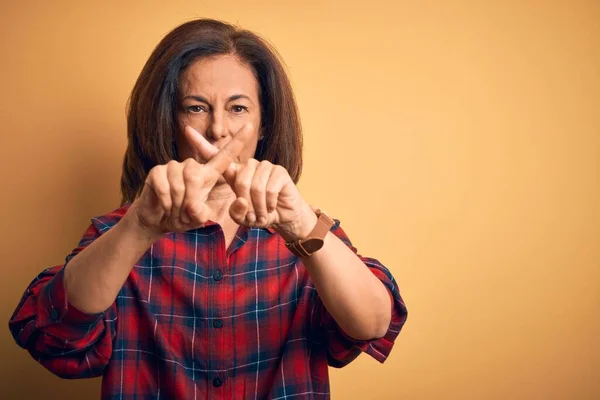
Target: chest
(210, 308)
(205, 274)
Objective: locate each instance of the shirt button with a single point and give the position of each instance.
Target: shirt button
(218, 275)
(54, 314)
(217, 323)
(217, 382)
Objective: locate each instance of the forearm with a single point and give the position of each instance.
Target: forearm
(94, 277)
(355, 298)
(352, 294)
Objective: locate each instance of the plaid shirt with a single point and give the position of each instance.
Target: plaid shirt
(197, 320)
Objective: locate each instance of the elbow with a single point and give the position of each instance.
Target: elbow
(373, 327)
(383, 317)
(382, 326)
(82, 364)
(371, 331)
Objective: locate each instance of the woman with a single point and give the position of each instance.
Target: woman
(215, 277)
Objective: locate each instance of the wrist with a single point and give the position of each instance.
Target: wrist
(300, 228)
(134, 226)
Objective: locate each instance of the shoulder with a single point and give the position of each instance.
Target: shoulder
(105, 222)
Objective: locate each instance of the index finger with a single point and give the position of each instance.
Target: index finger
(231, 151)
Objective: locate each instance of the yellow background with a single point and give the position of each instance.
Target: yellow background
(458, 142)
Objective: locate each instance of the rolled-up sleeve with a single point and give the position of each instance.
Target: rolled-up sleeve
(68, 342)
(341, 348)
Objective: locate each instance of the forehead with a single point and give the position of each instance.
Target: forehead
(219, 75)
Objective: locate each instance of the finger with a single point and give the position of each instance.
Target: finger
(195, 192)
(277, 181)
(230, 153)
(238, 210)
(158, 185)
(258, 191)
(242, 185)
(205, 149)
(177, 186)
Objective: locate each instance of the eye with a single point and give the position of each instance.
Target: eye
(239, 109)
(195, 109)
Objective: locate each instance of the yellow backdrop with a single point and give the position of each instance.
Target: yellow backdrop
(458, 142)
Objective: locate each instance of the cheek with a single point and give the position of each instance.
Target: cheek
(250, 150)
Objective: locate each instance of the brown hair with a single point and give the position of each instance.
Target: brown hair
(152, 110)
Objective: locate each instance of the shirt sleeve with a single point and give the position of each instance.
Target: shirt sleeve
(341, 348)
(66, 341)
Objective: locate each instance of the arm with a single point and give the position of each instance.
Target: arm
(346, 307)
(351, 293)
(331, 329)
(94, 277)
(69, 343)
(67, 317)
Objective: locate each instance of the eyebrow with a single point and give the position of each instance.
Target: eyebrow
(230, 99)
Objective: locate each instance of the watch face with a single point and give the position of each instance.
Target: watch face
(313, 244)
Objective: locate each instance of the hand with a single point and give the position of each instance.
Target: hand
(266, 194)
(174, 195)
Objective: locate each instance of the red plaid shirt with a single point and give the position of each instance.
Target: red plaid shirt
(197, 320)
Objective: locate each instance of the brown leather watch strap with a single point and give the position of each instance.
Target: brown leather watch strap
(314, 241)
(296, 248)
(323, 225)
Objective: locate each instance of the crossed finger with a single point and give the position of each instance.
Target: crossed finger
(223, 161)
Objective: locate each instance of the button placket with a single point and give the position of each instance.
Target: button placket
(218, 287)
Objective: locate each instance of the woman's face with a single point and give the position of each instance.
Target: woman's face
(218, 95)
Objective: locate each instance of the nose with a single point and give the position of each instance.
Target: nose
(217, 127)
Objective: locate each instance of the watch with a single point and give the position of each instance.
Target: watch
(315, 239)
